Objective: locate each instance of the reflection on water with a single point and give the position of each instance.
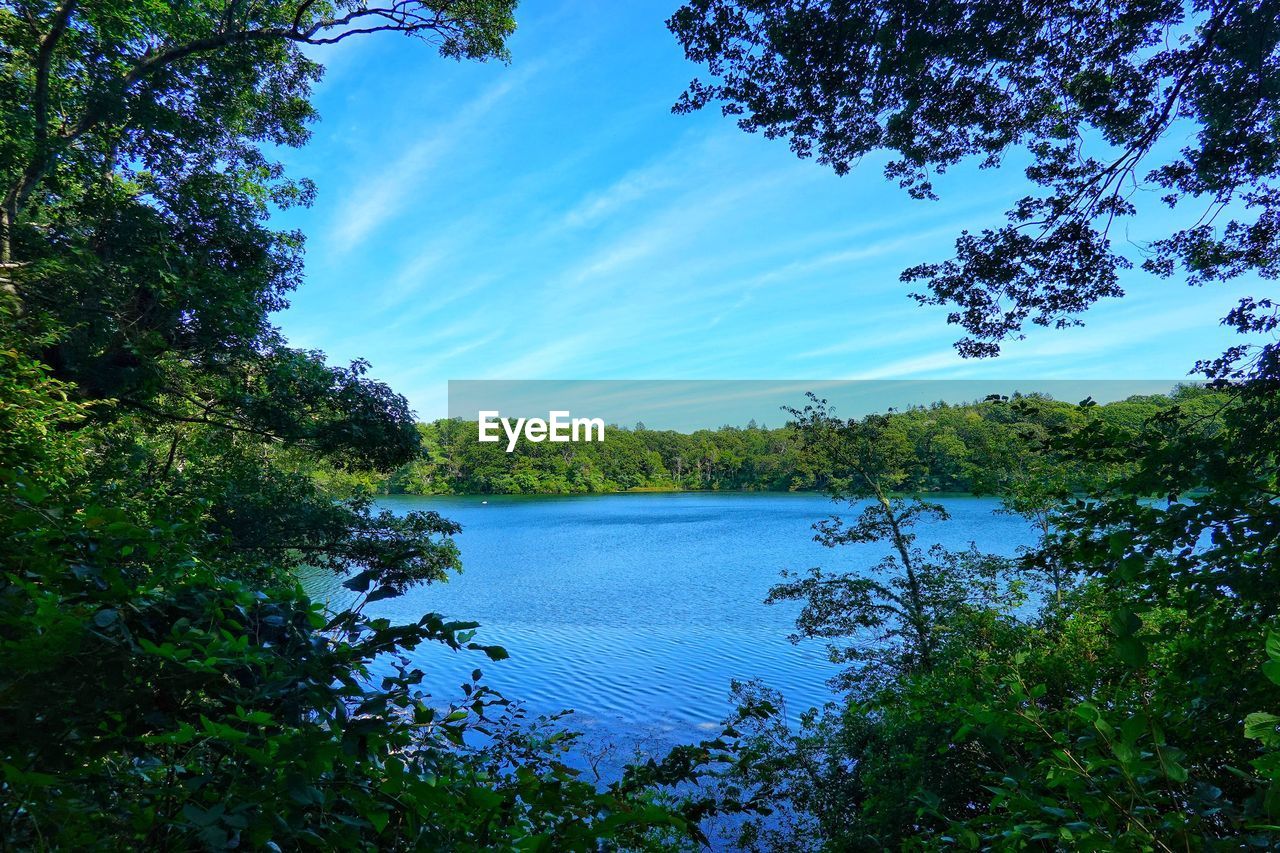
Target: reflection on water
(637, 610)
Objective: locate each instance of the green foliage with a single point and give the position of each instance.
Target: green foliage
(1121, 714)
(1127, 711)
(168, 463)
(1104, 101)
(149, 699)
(1264, 727)
(900, 611)
(979, 447)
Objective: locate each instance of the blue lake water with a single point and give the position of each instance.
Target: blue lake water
(637, 610)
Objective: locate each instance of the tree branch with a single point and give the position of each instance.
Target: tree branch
(61, 18)
(205, 421)
(17, 194)
(399, 16)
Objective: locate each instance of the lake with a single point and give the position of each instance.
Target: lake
(637, 610)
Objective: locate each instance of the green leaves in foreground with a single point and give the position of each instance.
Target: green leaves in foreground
(1264, 727)
(198, 711)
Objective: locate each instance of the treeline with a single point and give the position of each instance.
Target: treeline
(954, 447)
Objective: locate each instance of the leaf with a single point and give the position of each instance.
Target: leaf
(1176, 772)
(202, 817)
(383, 592)
(359, 582)
(15, 776)
(1087, 712)
(1271, 669)
(306, 795)
(1125, 623)
(494, 653)
(1263, 727)
(1129, 567)
(185, 734)
(1133, 651)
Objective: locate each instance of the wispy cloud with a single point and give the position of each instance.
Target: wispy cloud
(915, 365)
(566, 355)
(554, 219)
(659, 177)
(872, 338)
(386, 193)
(676, 225)
(797, 273)
(437, 360)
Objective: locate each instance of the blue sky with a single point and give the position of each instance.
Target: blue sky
(551, 219)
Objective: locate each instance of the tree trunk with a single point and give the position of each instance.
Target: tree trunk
(919, 618)
(6, 252)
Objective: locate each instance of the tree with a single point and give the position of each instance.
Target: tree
(1098, 96)
(898, 612)
(1037, 481)
(1127, 720)
(136, 197)
(96, 87)
(164, 681)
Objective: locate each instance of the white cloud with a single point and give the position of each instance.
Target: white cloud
(914, 365)
(629, 189)
(869, 338)
(567, 353)
(386, 193)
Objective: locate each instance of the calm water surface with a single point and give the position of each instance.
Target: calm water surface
(637, 610)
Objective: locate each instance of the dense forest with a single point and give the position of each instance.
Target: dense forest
(169, 463)
(955, 448)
